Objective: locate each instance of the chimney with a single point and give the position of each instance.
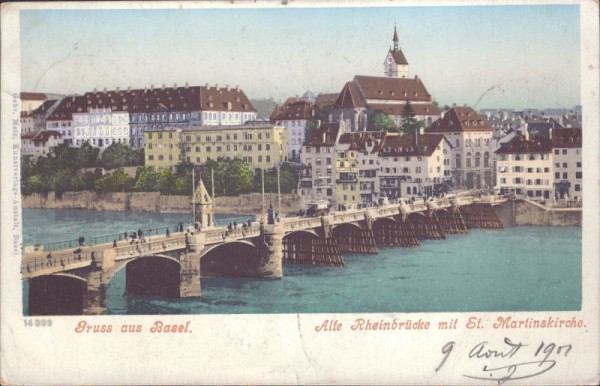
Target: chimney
(152, 87)
(128, 88)
(324, 136)
(117, 89)
(206, 85)
(227, 87)
(526, 134)
(104, 89)
(216, 86)
(95, 90)
(186, 84)
(550, 133)
(237, 88)
(174, 85)
(163, 86)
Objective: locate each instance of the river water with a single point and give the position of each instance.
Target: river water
(522, 268)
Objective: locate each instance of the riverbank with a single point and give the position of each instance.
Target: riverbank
(154, 202)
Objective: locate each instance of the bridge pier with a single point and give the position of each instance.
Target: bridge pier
(94, 298)
(189, 276)
(271, 255)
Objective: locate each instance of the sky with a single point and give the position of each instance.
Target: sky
(524, 56)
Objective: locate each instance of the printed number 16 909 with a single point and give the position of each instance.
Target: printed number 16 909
(38, 322)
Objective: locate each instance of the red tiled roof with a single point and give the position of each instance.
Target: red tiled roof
(293, 111)
(33, 96)
(156, 100)
(518, 145)
(398, 109)
(398, 57)
(324, 100)
(459, 119)
(349, 97)
(407, 145)
(326, 135)
(401, 89)
(358, 140)
(563, 138)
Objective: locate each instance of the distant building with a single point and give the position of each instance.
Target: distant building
(32, 100)
(318, 161)
(414, 165)
(39, 143)
(471, 138)
(294, 115)
(324, 105)
(100, 116)
(542, 167)
(525, 166)
(261, 145)
(567, 160)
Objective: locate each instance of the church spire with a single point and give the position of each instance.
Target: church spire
(395, 39)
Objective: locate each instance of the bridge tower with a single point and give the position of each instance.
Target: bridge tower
(204, 206)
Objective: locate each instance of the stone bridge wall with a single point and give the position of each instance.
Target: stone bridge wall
(152, 202)
(520, 212)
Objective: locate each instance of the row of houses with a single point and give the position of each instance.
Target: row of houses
(455, 152)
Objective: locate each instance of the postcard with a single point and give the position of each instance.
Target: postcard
(300, 193)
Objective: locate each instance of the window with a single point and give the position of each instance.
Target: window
(458, 162)
(517, 157)
(578, 164)
(556, 151)
(564, 164)
(564, 151)
(565, 175)
(577, 187)
(557, 175)
(578, 175)
(486, 160)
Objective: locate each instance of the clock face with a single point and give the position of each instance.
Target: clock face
(390, 59)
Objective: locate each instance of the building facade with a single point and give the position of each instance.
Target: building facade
(260, 145)
(101, 115)
(294, 116)
(472, 150)
(567, 161)
(318, 157)
(39, 143)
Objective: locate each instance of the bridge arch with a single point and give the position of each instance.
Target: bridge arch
(234, 258)
(57, 294)
(153, 275)
(298, 246)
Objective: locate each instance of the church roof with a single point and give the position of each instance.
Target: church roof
(201, 195)
(395, 35)
(398, 109)
(349, 97)
(386, 88)
(398, 57)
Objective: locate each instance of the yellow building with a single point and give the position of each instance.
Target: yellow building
(261, 145)
(347, 187)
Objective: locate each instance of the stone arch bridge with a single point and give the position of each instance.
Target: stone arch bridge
(70, 282)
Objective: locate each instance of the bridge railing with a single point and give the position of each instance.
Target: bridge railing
(109, 238)
(51, 261)
(152, 246)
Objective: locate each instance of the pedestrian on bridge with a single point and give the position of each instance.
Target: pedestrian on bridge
(168, 234)
(139, 232)
(114, 243)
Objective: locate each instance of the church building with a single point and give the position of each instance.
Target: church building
(390, 94)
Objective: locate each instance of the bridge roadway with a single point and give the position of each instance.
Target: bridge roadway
(38, 263)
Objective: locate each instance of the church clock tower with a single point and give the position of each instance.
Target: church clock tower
(395, 64)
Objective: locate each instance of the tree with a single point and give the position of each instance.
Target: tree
(409, 123)
(146, 179)
(165, 181)
(117, 181)
(379, 121)
(119, 155)
(311, 129)
(87, 156)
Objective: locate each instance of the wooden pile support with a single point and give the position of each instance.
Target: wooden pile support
(482, 216)
(352, 239)
(312, 251)
(394, 233)
(452, 222)
(426, 227)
